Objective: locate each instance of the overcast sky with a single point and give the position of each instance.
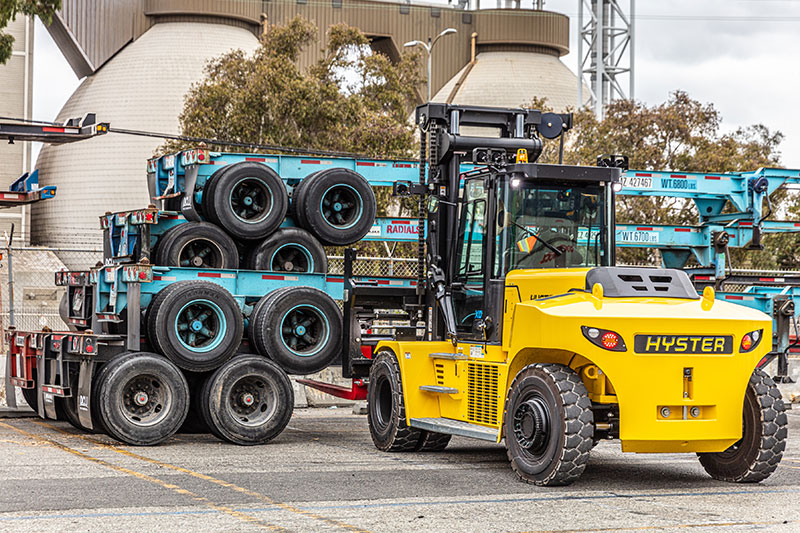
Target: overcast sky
(741, 55)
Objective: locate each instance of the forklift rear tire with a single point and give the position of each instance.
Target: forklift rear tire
(196, 245)
(248, 400)
(757, 454)
(548, 425)
(430, 441)
(248, 200)
(336, 205)
(143, 398)
(198, 325)
(386, 408)
(299, 328)
(289, 250)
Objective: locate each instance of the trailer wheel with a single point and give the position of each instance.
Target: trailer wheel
(249, 400)
(249, 200)
(143, 398)
(297, 193)
(764, 427)
(386, 408)
(299, 328)
(289, 250)
(336, 205)
(548, 425)
(430, 441)
(196, 324)
(196, 245)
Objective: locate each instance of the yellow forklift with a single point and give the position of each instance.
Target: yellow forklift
(522, 330)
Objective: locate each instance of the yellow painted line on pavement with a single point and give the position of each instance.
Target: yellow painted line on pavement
(145, 477)
(210, 479)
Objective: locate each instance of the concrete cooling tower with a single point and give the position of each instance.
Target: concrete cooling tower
(142, 87)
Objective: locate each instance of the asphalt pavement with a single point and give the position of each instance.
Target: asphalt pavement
(324, 474)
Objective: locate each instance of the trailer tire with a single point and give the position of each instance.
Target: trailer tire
(548, 425)
(248, 400)
(386, 408)
(289, 250)
(195, 421)
(248, 200)
(143, 399)
(198, 325)
(336, 205)
(764, 428)
(196, 245)
(294, 210)
(299, 328)
(68, 406)
(430, 441)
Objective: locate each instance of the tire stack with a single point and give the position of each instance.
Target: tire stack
(196, 375)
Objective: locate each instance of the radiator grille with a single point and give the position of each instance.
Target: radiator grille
(439, 369)
(482, 393)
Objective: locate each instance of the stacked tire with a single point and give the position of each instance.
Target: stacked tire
(244, 205)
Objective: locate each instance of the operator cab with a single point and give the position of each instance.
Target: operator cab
(526, 216)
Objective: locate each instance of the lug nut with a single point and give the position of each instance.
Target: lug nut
(665, 412)
(695, 412)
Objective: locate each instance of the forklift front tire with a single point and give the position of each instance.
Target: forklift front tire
(386, 407)
(757, 454)
(548, 425)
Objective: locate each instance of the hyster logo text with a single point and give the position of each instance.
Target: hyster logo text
(690, 344)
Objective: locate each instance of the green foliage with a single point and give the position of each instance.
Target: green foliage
(680, 134)
(44, 9)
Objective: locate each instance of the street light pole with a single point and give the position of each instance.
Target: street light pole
(429, 49)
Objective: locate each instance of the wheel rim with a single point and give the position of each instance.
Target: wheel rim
(200, 253)
(383, 411)
(291, 258)
(532, 425)
(304, 330)
(146, 400)
(250, 200)
(200, 325)
(341, 206)
(252, 401)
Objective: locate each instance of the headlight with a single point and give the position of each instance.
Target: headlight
(604, 338)
(750, 341)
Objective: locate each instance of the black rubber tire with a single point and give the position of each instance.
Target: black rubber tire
(764, 430)
(430, 441)
(294, 209)
(223, 320)
(316, 340)
(336, 205)
(164, 391)
(289, 250)
(386, 408)
(229, 187)
(31, 398)
(548, 425)
(196, 245)
(207, 190)
(257, 380)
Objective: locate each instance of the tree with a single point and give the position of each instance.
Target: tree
(349, 101)
(680, 134)
(44, 9)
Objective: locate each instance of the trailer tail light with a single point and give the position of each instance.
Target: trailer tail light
(195, 156)
(750, 341)
(604, 338)
(152, 165)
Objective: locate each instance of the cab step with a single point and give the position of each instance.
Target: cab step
(439, 389)
(455, 427)
(447, 355)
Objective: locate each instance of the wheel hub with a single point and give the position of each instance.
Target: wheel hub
(300, 330)
(288, 266)
(197, 261)
(247, 200)
(337, 206)
(247, 399)
(141, 398)
(196, 325)
(532, 424)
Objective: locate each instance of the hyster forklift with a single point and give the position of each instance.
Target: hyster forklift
(522, 330)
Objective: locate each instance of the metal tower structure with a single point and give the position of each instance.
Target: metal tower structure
(605, 52)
